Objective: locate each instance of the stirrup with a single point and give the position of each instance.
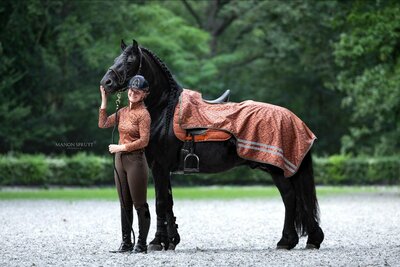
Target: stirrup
(192, 169)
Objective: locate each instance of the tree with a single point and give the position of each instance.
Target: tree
(368, 55)
(54, 53)
(278, 52)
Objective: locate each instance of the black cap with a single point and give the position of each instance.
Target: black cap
(138, 82)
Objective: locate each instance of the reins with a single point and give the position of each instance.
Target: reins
(117, 102)
(122, 78)
(121, 81)
(173, 85)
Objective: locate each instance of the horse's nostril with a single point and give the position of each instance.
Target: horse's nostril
(109, 82)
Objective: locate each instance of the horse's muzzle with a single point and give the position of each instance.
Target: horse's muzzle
(108, 84)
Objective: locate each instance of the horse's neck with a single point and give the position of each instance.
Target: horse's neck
(158, 100)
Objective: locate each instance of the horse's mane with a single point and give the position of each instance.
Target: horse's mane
(174, 87)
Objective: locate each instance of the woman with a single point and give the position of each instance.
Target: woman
(130, 161)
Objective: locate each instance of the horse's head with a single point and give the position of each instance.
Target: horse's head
(125, 66)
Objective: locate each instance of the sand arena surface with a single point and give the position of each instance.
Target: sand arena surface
(361, 230)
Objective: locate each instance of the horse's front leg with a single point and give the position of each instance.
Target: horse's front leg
(167, 236)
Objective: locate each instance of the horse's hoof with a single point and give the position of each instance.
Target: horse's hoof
(171, 246)
(173, 242)
(155, 247)
(287, 242)
(285, 247)
(312, 246)
(315, 239)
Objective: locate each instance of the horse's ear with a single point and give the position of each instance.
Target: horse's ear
(135, 46)
(123, 45)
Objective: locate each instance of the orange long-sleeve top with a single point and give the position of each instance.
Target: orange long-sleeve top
(133, 125)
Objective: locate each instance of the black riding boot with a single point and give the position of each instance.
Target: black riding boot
(126, 226)
(144, 225)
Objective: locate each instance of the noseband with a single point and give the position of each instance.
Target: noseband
(122, 78)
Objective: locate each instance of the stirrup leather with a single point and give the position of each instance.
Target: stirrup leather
(189, 161)
(194, 168)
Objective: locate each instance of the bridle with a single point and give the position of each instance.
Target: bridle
(121, 79)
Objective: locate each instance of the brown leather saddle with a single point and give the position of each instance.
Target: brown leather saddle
(189, 160)
(203, 134)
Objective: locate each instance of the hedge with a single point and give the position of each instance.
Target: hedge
(345, 170)
(81, 169)
(86, 170)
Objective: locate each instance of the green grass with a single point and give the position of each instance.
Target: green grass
(226, 192)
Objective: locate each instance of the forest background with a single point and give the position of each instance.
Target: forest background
(333, 63)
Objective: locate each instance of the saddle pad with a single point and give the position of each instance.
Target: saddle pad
(208, 136)
(265, 133)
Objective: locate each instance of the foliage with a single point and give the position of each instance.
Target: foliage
(344, 170)
(84, 169)
(278, 52)
(62, 48)
(368, 54)
(333, 63)
(80, 169)
(23, 170)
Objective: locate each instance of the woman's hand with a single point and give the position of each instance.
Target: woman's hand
(103, 97)
(116, 148)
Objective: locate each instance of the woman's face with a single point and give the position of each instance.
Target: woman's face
(135, 95)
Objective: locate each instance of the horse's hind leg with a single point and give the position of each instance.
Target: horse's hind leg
(289, 235)
(307, 210)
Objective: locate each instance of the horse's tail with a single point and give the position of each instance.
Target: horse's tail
(307, 209)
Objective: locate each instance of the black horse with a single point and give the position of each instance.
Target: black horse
(163, 154)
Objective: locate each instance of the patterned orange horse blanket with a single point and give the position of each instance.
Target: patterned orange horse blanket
(265, 133)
